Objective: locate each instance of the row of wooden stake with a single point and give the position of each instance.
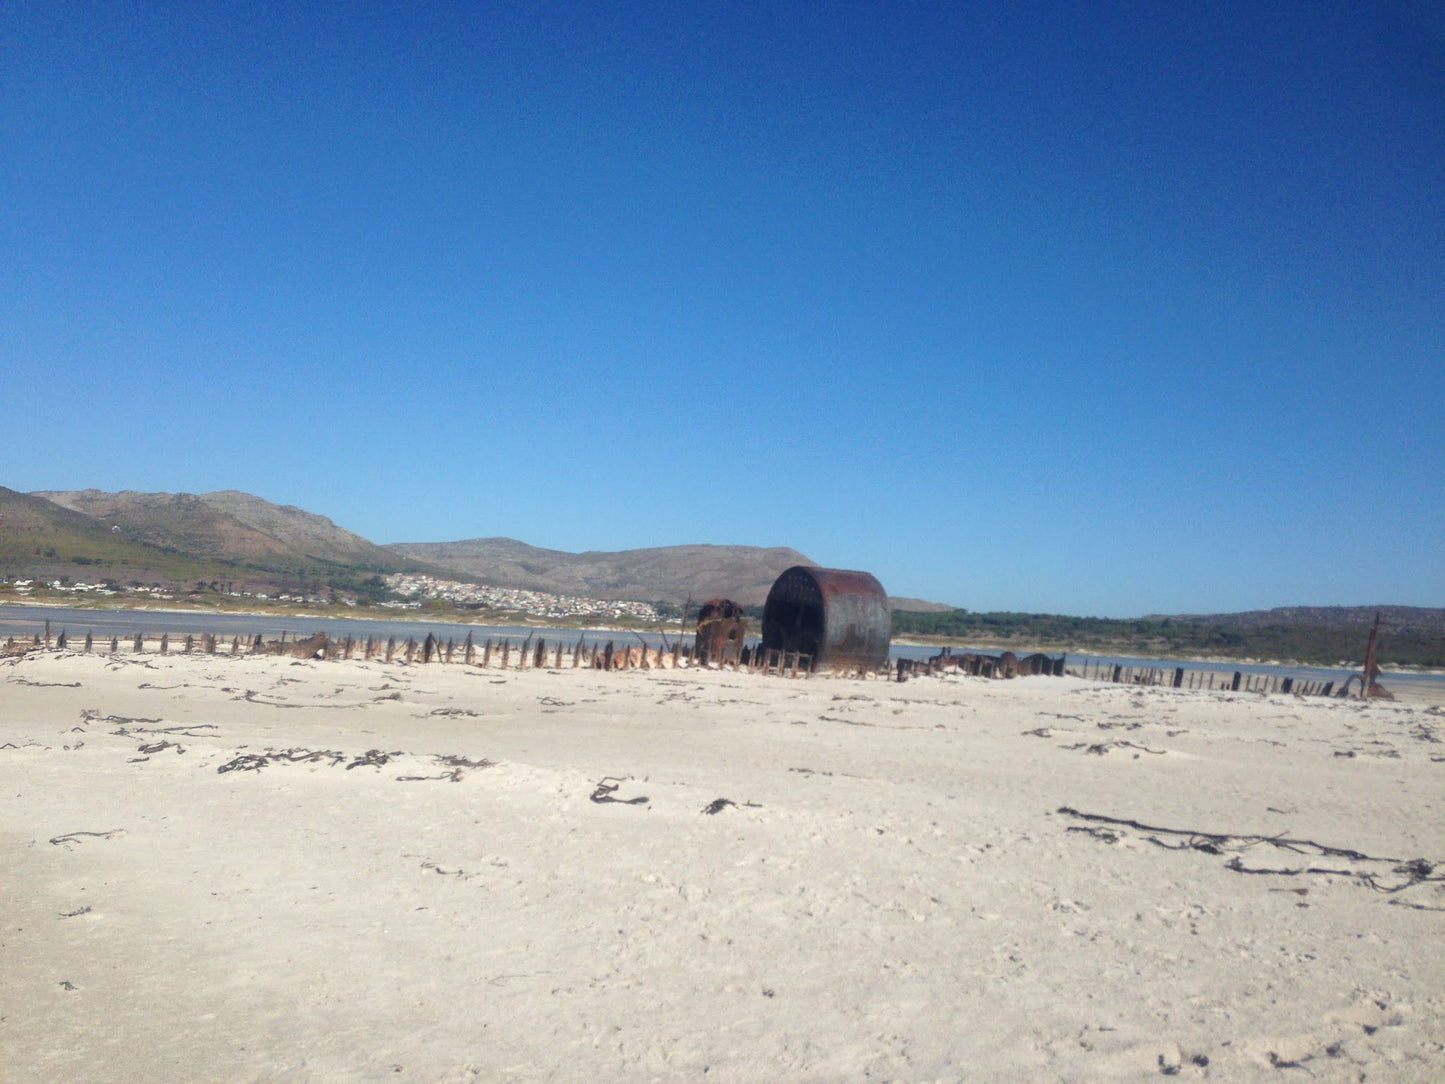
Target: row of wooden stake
(1179, 678)
(530, 653)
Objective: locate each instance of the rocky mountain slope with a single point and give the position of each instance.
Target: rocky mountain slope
(226, 524)
(39, 538)
(237, 538)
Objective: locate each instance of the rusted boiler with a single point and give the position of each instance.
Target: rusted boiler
(838, 617)
(721, 628)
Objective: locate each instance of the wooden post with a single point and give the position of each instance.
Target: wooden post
(487, 654)
(540, 661)
(557, 662)
(390, 647)
(165, 642)
(114, 644)
(410, 649)
(235, 645)
(1372, 667)
(506, 653)
(607, 656)
(469, 655)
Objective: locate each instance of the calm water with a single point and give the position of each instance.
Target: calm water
(28, 620)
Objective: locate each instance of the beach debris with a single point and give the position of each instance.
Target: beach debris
(607, 786)
(717, 805)
(315, 646)
(721, 629)
(1102, 748)
(454, 776)
(91, 715)
(253, 697)
(75, 914)
(1407, 872)
(130, 728)
(246, 762)
(71, 838)
(254, 762)
(463, 762)
(457, 764)
(161, 746)
(372, 758)
(463, 874)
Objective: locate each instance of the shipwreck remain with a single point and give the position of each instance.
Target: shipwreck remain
(837, 617)
(722, 626)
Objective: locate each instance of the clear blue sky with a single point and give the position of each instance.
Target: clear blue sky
(1084, 308)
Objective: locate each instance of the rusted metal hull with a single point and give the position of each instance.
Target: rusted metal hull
(838, 617)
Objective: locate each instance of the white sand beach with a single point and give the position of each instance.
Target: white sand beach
(263, 868)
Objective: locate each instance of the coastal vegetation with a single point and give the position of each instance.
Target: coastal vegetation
(1409, 636)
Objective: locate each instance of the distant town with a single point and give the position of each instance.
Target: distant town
(415, 588)
(410, 591)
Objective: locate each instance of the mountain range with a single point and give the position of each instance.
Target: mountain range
(238, 539)
(230, 540)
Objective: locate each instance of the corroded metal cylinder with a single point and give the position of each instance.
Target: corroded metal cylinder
(839, 617)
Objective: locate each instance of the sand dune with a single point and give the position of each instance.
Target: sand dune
(262, 868)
